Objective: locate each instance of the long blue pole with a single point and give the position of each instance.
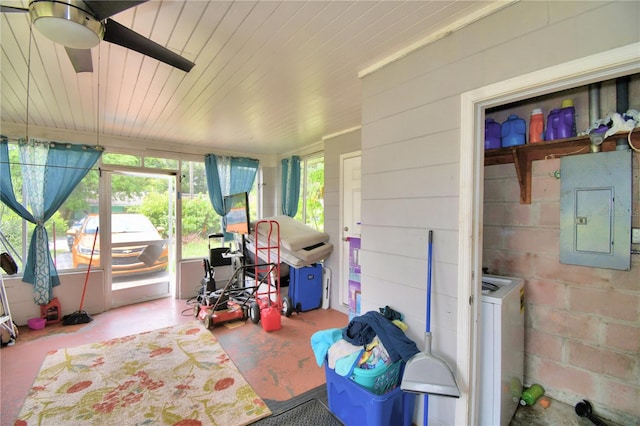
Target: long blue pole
(425, 419)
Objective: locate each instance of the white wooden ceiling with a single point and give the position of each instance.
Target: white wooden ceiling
(270, 76)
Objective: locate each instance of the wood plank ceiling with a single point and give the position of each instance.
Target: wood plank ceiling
(270, 77)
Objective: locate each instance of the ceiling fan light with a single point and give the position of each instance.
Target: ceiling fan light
(67, 33)
(66, 24)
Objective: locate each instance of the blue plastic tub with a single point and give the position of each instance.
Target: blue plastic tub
(356, 406)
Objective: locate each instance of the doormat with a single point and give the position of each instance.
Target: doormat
(309, 413)
(278, 407)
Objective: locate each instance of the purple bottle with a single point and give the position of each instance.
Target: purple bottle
(566, 123)
(491, 134)
(561, 122)
(552, 124)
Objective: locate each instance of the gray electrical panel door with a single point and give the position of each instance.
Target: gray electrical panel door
(595, 210)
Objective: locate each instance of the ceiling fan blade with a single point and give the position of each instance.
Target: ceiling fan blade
(105, 9)
(80, 59)
(119, 34)
(11, 9)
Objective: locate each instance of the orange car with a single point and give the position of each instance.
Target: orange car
(147, 253)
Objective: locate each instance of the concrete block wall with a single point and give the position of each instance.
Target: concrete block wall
(582, 324)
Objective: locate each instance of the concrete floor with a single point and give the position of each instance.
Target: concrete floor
(558, 414)
(271, 362)
(279, 365)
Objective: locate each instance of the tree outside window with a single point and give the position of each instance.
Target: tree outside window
(311, 203)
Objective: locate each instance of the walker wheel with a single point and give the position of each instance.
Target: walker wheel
(287, 309)
(245, 312)
(254, 312)
(208, 321)
(196, 310)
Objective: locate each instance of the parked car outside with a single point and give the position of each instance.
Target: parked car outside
(72, 232)
(147, 253)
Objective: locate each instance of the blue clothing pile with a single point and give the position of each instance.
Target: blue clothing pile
(361, 331)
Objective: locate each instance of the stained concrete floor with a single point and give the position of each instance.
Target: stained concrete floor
(558, 414)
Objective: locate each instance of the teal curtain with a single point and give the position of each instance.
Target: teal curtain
(50, 171)
(290, 185)
(226, 176)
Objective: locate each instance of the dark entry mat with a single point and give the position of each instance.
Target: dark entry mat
(277, 407)
(309, 413)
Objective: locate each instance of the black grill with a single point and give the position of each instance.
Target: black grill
(124, 261)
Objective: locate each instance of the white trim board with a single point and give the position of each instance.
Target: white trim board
(442, 32)
(598, 67)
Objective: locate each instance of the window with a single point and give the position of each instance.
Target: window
(138, 161)
(311, 204)
(15, 233)
(254, 200)
(198, 221)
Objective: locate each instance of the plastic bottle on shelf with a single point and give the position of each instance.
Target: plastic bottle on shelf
(536, 126)
(552, 123)
(561, 122)
(513, 132)
(492, 137)
(567, 122)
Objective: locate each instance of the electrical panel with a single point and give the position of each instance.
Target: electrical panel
(595, 210)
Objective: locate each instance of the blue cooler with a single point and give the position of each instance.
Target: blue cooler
(305, 287)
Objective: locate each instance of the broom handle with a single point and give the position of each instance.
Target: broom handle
(429, 260)
(425, 412)
(86, 278)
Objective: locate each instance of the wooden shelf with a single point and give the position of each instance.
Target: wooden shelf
(522, 156)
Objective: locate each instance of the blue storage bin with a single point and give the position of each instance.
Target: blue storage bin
(356, 406)
(305, 287)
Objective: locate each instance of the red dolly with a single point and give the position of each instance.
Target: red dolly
(268, 304)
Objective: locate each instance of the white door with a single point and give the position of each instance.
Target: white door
(350, 172)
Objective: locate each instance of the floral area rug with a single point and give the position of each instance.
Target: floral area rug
(177, 375)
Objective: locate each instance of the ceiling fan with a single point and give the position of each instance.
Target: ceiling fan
(80, 25)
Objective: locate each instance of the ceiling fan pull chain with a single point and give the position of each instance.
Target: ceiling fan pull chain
(28, 79)
(98, 104)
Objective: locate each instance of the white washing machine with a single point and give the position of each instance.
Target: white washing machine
(502, 349)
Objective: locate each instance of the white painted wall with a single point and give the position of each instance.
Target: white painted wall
(270, 191)
(411, 114)
(69, 293)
